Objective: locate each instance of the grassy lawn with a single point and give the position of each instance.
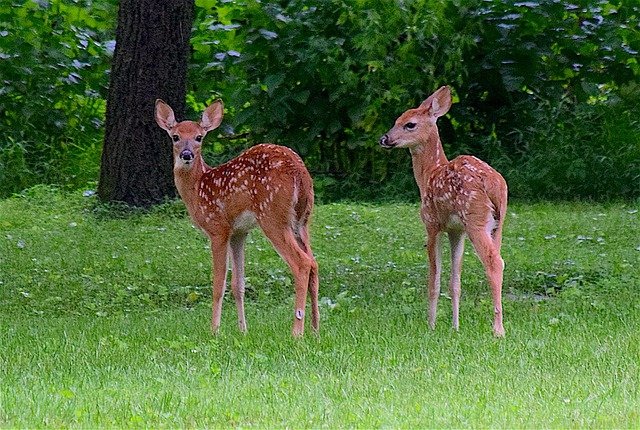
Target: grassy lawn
(105, 323)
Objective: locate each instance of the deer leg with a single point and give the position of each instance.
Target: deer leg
(237, 276)
(456, 240)
(313, 291)
(219, 251)
(284, 241)
(493, 266)
(435, 268)
(304, 242)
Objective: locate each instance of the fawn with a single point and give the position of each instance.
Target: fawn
(464, 196)
(266, 186)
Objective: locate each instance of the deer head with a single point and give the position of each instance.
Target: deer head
(187, 136)
(416, 125)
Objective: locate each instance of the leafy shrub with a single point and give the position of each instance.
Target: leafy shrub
(578, 151)
(55, 57)
(328, 78)
(546, 91)
(553, 93)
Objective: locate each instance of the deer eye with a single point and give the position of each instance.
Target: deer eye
(199, 138)
(410, 126)
(175, 138)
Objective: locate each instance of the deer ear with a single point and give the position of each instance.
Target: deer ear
(438, 103)
(212, 116)
(164, 115)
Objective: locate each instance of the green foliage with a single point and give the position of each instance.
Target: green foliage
(546, 91)
(578, 151)
(551, 50)
(55, 57)
(553, 92)
(329, 79)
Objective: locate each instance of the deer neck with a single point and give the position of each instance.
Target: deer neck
(426, 157)
(188, 181)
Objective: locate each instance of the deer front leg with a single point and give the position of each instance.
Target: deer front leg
(435, 268)
(456, 239)
(237, 276)
(219, 248)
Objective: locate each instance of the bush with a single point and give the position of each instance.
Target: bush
(546, 91)
(553, 93)
(55, 57)
(579, 151)
(328, 78)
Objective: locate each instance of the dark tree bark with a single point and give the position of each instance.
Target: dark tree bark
(150, 62)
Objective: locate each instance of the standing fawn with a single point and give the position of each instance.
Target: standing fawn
(461, 196)
(266, 186)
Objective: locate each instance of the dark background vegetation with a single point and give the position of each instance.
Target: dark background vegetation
(546, 91)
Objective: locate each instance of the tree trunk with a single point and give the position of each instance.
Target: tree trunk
(150, 62)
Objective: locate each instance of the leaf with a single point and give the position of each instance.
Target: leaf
(223, 27)
(283, 18)
(192, 297)
(67, 393)
(273, 81)
(215, 370)
(301, 96)
(269, 35)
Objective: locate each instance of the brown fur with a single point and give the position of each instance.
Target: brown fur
(464, 196)
(267, 185)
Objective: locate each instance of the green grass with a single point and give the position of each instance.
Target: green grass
(105, 323)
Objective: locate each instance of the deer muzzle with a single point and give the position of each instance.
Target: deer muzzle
(187, 156)
(385, 142)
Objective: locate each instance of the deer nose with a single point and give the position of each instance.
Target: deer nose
(384, 141)
(186, 155)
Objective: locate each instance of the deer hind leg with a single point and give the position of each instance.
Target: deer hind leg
(498, 219)
(496, 235)
(456, 240)
(219, 252)
(434, 252)
(303, 240)
(490, 257)
(285, 242)
(237, 276)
